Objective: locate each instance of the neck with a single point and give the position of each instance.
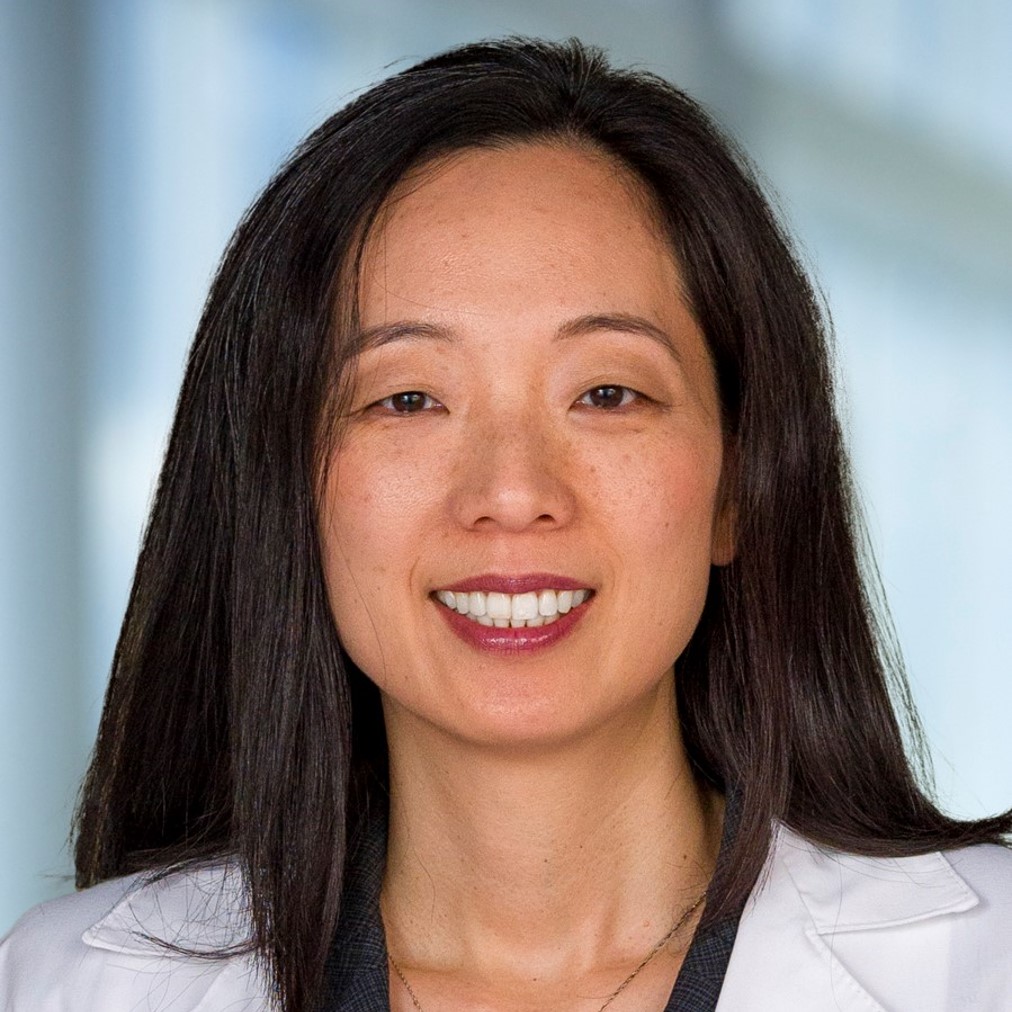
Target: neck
(556, 858)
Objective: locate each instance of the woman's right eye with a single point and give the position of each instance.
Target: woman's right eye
(407, 402)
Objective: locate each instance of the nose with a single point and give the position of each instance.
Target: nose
(513, 474)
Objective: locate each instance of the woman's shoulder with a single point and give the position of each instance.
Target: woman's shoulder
(137, 942)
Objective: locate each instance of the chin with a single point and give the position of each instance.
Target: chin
(530, 725)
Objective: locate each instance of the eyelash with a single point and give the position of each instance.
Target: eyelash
(625, 403)
(387, 404)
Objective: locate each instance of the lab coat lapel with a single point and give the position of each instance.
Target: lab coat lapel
(811, 936)
(201, 910)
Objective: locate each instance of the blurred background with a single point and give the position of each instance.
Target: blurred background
(133, 133)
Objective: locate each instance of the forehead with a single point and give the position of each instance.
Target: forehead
(478, 230)
(522, 170)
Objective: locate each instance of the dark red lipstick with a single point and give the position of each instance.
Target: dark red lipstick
(512, 641)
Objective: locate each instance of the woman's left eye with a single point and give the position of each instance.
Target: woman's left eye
(609, 397)
(407, 402)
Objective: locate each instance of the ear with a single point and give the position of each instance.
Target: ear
(723, 542)
(725, 530)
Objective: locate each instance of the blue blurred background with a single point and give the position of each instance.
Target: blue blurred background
(134, 132)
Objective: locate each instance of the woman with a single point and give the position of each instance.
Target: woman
(499, 639)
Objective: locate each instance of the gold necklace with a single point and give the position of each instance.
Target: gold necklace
(687, 913)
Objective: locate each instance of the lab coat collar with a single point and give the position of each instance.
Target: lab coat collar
(197, 910)
(846, 892)
(811, 934)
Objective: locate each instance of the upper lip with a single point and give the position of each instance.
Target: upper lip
(516, 583)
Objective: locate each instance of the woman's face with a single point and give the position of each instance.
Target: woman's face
(535, 421)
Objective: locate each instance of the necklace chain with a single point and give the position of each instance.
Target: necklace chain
(689, 911)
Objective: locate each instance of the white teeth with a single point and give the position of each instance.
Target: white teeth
(548, 603)
(524, 606)
(497, 606)
(534, 608)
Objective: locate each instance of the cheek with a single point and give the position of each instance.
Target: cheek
(346, 559)
(665, 502)
(375, 496)
(667, 536)
(353, 531)
(371, 534)
(677, 547)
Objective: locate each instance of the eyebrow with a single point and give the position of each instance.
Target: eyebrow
(622, 322)
(404, 330)
(415, 330)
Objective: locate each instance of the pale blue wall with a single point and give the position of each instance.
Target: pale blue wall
(43, 727)
(133, 134)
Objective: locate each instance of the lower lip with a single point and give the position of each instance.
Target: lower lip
(510, 641)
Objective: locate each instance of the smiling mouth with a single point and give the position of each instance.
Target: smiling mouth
(513, 611)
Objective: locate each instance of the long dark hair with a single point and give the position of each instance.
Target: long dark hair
(235, 724)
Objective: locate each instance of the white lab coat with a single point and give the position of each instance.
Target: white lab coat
(821, 931)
